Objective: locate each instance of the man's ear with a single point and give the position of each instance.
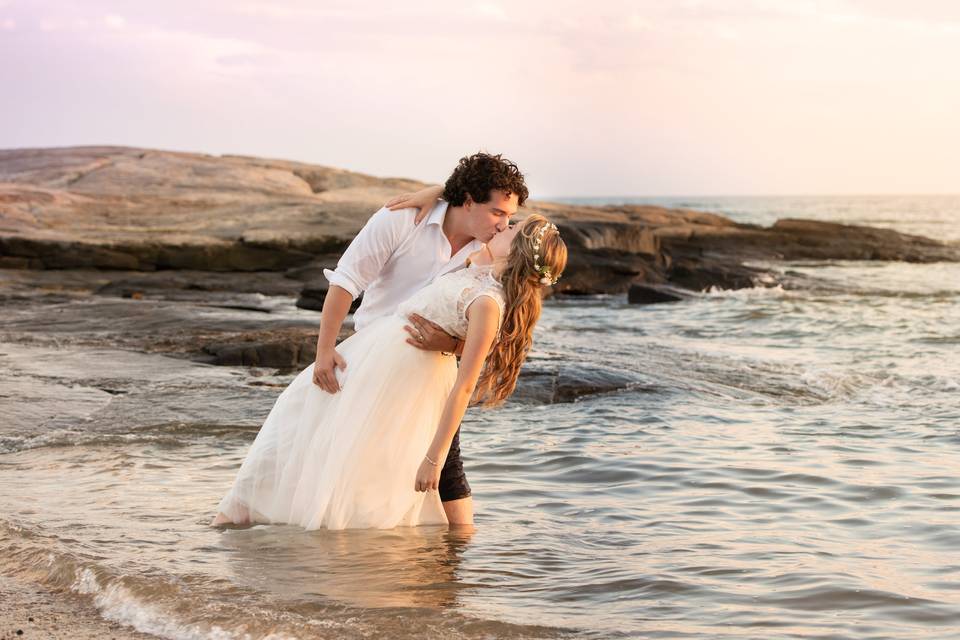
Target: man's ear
(468, 202)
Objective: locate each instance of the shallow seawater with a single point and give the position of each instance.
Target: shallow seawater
(785, 466)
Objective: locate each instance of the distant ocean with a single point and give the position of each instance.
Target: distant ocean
(936, 216)
(786, 466)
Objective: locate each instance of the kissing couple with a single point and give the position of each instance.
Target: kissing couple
(368, 435)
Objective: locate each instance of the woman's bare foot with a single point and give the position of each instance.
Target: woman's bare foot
(220, 519)
(244, 518)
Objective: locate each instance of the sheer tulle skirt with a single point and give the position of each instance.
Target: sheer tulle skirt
(349, 460)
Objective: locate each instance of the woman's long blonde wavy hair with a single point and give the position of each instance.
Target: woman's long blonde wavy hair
(523, 293)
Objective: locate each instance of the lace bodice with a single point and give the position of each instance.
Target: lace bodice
(446, 299)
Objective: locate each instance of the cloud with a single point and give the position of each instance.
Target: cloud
(114, 21)
(635, 22)
(490, 10)
(698, 93)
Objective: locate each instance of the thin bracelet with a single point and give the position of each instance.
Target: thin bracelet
(433, 462)
(454, 352)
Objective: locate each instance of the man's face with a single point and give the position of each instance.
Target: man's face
(488, 218)
(501, 243)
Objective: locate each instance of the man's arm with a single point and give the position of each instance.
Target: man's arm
(364, 258)
(357, 268)
(335, 308)
(429, 336)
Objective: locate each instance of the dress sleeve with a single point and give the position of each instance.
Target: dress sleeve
(364, 258)
(472, 294)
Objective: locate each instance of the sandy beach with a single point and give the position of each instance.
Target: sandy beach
(27, 610)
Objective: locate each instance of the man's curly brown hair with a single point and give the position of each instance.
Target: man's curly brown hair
(479, 174)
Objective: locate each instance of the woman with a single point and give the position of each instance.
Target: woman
(370, 456)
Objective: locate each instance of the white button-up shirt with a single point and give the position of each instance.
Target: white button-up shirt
(392, 258)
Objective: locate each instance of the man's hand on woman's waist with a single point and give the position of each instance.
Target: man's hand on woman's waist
(429, 336)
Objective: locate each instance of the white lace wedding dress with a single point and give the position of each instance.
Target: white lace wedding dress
(350, 459)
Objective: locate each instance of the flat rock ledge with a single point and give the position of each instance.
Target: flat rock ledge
(548, 383)
(122, 208)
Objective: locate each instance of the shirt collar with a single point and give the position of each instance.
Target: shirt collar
(438, 213)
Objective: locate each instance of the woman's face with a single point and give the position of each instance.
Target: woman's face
(499, 244)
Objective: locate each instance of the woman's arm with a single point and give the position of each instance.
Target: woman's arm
(483, 316)
(425, 199)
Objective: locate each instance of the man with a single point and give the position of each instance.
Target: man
(395, 255)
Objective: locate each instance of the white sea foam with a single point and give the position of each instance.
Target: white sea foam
(172, 434)
(118, 604)
(748, 292)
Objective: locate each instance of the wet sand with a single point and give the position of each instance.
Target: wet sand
(27, 610)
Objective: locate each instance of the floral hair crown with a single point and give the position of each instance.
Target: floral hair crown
(545, 277)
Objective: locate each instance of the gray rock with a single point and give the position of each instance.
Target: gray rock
(706, 273)
(550, 383)
(278, 355)
(312, 298)
(642, 293)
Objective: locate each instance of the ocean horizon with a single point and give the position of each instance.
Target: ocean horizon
(932, 215)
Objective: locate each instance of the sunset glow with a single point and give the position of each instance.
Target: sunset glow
(603, 98)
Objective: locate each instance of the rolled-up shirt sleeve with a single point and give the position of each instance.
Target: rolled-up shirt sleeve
(364, 258)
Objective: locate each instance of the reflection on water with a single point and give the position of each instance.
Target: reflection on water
(126, 523)
(407, 567)
(142, 494)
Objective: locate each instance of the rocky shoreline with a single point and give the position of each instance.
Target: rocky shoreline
(120, 208)
(148, 250)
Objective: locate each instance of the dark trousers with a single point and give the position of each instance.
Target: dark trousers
(453, 481)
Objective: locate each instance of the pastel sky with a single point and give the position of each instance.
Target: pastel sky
(689, 97)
